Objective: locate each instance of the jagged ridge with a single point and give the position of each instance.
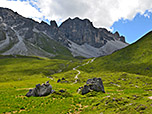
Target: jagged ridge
(75, 35)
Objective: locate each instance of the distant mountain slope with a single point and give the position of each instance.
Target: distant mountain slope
(136, 58)
(83, 31)
(91, 41)
(24, 36)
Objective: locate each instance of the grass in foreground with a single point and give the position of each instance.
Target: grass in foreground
(126, 93)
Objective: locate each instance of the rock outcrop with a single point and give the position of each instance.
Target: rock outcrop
(40, 90)
(94, 84)
(53, 24)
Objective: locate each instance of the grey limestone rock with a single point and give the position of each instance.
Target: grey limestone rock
(78, 36)
(40, 90)
(85, 89)
(82, 31)
(53, 23)
(2, 35)
(94, 84)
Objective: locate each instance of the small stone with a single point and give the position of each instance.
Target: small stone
(63, 78)
(58, 80)
(62, 91)
(123, 79)
(147, 68)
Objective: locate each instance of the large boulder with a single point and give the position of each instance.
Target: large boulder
(94, 84)
(40, 90)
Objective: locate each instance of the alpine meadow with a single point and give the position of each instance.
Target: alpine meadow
(74, 68)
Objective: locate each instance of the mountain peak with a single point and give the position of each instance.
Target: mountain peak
(80, 22)
(75, 36)
(53, 23)
(116, 34)
(82, 31)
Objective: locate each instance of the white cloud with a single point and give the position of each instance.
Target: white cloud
(23, 8)
(103, 13)
(147, 15)
(150, 10)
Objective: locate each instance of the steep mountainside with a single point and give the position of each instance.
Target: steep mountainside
(83, 31)
(23, 36)
(136, 58)
(86, 40)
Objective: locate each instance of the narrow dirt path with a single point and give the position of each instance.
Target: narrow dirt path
(79, 72)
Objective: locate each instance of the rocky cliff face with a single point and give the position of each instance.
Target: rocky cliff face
(23, 36)
(88, 41)
(83, 31)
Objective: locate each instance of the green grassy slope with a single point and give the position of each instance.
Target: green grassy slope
(20, 67)
(125, 92)
(20, 73)
(52, 46)
(127, 86)
(136, 58)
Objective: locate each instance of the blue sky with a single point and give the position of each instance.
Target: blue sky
(131, 18)
(135, 28)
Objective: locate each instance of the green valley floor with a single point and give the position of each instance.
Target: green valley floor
(126, 93)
